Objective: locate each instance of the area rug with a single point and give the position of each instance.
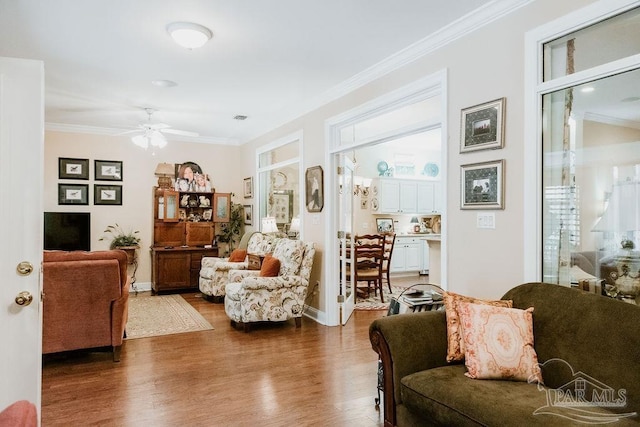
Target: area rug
(153, 315)
(372, 302)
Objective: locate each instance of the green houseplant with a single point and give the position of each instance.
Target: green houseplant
(120, 239)
(233, 228)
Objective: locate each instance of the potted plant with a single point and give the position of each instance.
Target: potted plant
(233, 227)
(127, 241)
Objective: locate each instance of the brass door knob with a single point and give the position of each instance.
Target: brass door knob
(24, 298)
(24, 268)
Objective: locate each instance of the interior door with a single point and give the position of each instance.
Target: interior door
(345, 236)
(21, 222)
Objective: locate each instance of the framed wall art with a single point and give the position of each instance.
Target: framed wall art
(107, 194)
(248, 214)
(314, 186)
(73, 194)
(282, 206)
(482, 126)
(384, 225)
(73, 168)
(221, 207)
(248, 187)
(107, 170)
(482, 185)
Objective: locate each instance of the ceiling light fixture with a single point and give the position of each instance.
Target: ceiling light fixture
(164, 83)
(188, 34)
(587, 89)
(150, 137)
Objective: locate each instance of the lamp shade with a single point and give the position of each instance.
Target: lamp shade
(622, 213)
(414, 220)
(269, 225)
(164, 169)
(295, 225)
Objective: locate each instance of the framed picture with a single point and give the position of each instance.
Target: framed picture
(248, 187)
(107, 194)
(73, 168)
(248, 214)
(482, 126)
(207, 214)
(384, 225)
(108, 170)
(221, 207)
(282, 206)
(73, 194)
(314, 189)
(482, 185)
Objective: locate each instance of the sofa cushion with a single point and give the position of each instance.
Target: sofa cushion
(498, 342)
(238, 255)
(455, 344)
(270, 267)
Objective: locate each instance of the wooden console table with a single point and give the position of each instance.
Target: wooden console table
(177, 269)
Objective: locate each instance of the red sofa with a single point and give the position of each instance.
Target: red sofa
(85, 301)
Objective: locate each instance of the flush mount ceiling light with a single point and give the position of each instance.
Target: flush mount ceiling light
(188, 34)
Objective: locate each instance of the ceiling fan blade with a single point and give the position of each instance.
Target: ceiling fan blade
(126, 132)
(180, 132)
(157, 126)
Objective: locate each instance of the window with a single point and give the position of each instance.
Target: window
(279, 182)
(590, 149)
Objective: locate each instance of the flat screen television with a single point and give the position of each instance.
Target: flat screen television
(67, 231)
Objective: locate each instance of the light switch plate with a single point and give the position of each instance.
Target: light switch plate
(486, 220)
(315, 219)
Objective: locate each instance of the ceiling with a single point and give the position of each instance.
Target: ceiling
(267, 60)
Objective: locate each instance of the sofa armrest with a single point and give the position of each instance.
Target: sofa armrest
(407, 343)
(236, 276)
(273, 283)
(211, 261)
(228, 265)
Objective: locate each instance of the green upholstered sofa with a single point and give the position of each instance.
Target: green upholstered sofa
(584, 342)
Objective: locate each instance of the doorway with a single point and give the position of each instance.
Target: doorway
(388, 139)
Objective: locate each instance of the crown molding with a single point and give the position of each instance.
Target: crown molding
(94, 130)
(459, 28)
(614, 121)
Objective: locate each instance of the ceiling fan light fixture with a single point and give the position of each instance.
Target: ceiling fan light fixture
(188, 34)
(140, 141)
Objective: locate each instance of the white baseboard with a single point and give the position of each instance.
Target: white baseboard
(315, 314)
(140, 287)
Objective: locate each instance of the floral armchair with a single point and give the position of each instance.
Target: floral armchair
(214, 271)
(250, 298)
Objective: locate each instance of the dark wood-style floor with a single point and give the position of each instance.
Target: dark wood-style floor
(275, 375)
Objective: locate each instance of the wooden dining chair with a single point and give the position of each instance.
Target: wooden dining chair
(369, 256)
(389, 243)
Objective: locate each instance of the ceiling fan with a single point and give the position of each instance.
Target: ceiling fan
(153, 133)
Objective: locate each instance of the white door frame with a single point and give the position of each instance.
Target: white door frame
(429, 86)
(21, 220)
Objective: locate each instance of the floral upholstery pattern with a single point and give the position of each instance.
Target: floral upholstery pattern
(214, 271)
(289, 253)
(255, 299)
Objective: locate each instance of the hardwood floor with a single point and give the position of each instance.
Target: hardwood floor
(274, 375)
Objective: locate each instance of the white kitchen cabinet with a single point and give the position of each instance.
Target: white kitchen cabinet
(429, 197)
(398, 196)
(407, 254)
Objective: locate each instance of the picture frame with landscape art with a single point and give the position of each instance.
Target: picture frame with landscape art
(482, 126)
(482, 185)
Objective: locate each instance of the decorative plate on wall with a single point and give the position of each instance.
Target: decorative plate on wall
(383, 167)
(280, 180)
(431, 169)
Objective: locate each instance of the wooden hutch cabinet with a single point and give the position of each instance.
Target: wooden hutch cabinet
(183, 233)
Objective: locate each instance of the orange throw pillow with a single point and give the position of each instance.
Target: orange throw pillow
(270, 267)
(238, 255)
(455, 342)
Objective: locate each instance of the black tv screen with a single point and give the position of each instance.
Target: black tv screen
(67, 231)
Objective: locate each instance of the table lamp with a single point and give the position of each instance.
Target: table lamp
(295, 227)
(164, 172)
(269, 225)
(416, 224)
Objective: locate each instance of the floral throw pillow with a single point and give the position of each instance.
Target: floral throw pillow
(499, 343)
(455, 344)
